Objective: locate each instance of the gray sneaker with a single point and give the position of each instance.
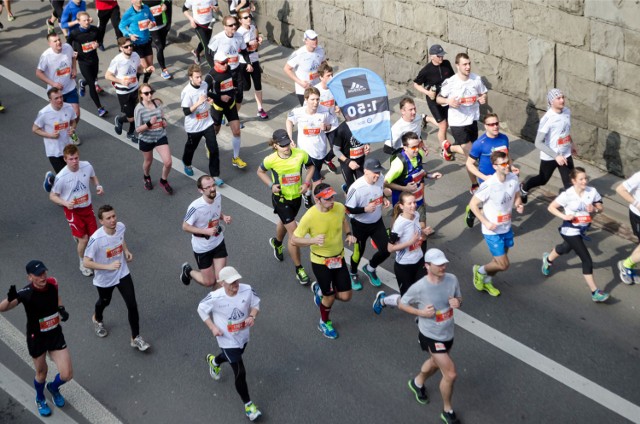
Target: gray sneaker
(140, 344)
(99, 328)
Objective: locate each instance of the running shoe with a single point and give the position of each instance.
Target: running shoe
(47, 184)
(11, 18)
(102, 112)
(214, 370)
(58, 399)
(474, 188)
(446, 151)
(223, 121)
(75, 139)
(373, 277)
(85, 271)
(302, 276)
(262, 114)
(140, 344)
(117, 125)
(546, 266)
(132, 137)
(2, 109)
(50, 26)
(252, 411)
(449, 418)
(317, 294)
(218, 181)
(331, 166)
(148, 185)
(101, 47)
(185, 273)
(188, 169)
(307, 201)
(344, 187)
(355, 282)
(99, 89)
(599, 296)
(524, 195)
(478, 279)
(420, 392)
(196, 57)
(165, 74)
(278, 249)
(43, 408)
(489, 288)
(83, 87)
(626, 274)
(166, 187)
(378, 303)
(99, 328)
(469, 217)
(238, 163)
(327, 329)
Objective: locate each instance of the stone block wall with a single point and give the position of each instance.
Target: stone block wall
(522, 48)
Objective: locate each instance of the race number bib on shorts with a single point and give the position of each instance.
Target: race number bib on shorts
(49, 323)
(290, 179)
(333, 263)
(440, 346)
(116, 251)
(445, 315)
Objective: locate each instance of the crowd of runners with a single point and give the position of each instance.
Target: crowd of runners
(293, 175)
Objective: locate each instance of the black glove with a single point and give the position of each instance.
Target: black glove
(64, 315)
(393, 238)
(12, 294)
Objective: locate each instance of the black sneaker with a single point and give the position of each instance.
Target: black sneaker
(148, 185)
(277, 249)
(185, 274)
(132, 137)
(524, 195)
(307, 201)
(166, 187)
(469, 217)
(421, 393)
(117, 125)
(449, 418)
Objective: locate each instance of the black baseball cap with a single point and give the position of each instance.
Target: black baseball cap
(437, 50)
(281, 137)
(373, 165)
(35, 267)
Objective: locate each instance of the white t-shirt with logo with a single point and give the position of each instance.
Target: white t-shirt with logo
(201, 10)
(361, 194)
(633, 187)
(201, 214)
(466, 93)
(57, 67)
(200, 119)
(106, 249)
(248, 35)
(305, 65)
(557, 130)
(56, 121)
(406, 229)
(311, 133)
(125, 68)
(400, 128)
(227, 48)
(576, 205)
(497, 202)
(74, 186)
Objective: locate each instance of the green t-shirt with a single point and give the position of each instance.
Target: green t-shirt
(287, 172)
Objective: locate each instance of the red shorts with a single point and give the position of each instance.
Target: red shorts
(82, 221)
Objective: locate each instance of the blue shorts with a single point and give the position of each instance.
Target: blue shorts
(499, 243)
(71, 97)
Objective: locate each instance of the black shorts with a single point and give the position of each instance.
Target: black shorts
(466, 134)
(230, 112)
(635, 224)
(248, 76)
(143, 50)
(332, 280)
(233, 354)
(37, 345)
(148, 147)
(439, 112)
(128, 103)
(57, 162)
(287, 210)
(317, 164)
(434, 346)
(205, 260)
(236, 75)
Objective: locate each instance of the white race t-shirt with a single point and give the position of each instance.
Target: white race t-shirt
(125, 68)
(227, 48)
(633, 187)
(105, 249)
(56, 121)
(406, 229)
(497, 202)
(400, 128)
(204, 215)
(57, 67)
(466, 93)
(577, 206)
(305, 65)
(557, 130)
(311, 133)
(200, 119)
(361, 194)
(74, 186)
(201, 10)
(248, 35)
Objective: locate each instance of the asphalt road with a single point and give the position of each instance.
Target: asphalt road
(295, 374)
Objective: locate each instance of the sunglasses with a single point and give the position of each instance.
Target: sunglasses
(128, 46)
(232, 25)
(502, 165)
(414, 148)
(492, 124)
(246, 17)
(145, 93)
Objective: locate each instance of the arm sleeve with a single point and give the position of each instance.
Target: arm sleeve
(541, 145)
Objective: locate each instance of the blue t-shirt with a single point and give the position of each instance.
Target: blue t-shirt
(482, 148)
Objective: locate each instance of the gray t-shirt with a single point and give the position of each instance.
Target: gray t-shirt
(423, 293)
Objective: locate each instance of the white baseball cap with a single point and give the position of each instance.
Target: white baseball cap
(433, 256)
(229, 275)
(310, 34)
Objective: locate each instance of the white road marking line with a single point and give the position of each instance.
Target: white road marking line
(503, 342)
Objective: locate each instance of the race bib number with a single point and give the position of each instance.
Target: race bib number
(416, 245)
(116, 251)
(581, 220)
(234, 328)
(233, 59)
(202, 115)
(88, 47)
(440, 346)
(313, 76)
(226, 85)
(377, 202)
(356, 152)
(158, 124)
(311, 131)
(252, 48)
(328, 103)
(80, 200)
(60, 126)
(213, 223)
(130, 80)
(419, 193)
(564, 140)
(333, 263)
(49, 323)
(144, 24)
(468, 101)
(504, 218)
(63, 71)
(156, 10)
(290, 179)
(204, 11)
(444, 315)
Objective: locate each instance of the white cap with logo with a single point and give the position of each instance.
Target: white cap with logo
(228, 274)
(434, 257)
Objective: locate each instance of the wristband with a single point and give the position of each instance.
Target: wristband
(272, 184)
(98, 187)
(148, 124)
(252, 316)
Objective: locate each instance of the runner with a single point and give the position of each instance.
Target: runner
(405, 239)
(302, 66)
(555, 144)
(498, 196)
(203, 220)
(365, 201)
(159, 32)
(71, 191)
(152, 135)
(55, 123)
(325, 223)
(229, 312)
(136, 24)
(253, 40)
(409, 121)
(198, 123)
(578, 201)
(45, 310)
(287, 189)
(68, 20)
(108, 10)
(432, 300)
(107, 253)
(200, 16)
(629, 190)
(56, 13)
(350, 153)
(325, 71)
(57, 68)
(239, 6)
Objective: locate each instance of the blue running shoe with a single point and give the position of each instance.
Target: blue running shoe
(188, 170)
(58, 399)
(317, 294)
(546, 266)
(373, 277)
(43, 408)
(83, 87)
(378, 303)
(47, 184)
(327, 329)
(355, 282)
